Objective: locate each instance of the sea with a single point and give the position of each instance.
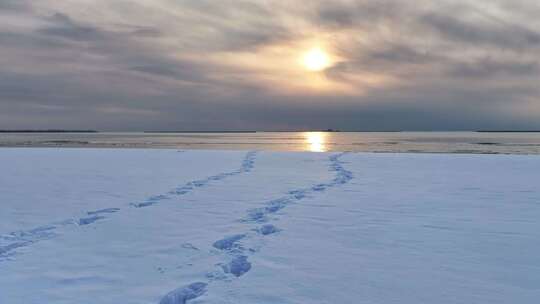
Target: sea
(398, 142)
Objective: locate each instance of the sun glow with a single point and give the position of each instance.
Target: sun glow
(316, 141)
(297, 67)
(316, 60)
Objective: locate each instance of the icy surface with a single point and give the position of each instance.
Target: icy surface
(165, 226)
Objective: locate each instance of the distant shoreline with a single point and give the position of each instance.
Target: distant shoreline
(508, 131)
(199, 131)
(48, 131)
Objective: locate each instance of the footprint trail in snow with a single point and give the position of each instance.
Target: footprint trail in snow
(9, 243)
(236, 255)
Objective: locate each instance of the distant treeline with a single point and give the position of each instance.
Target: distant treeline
(200, 131)
(48, 131)
(509, 131)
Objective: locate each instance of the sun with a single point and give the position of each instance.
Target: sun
(316, 60)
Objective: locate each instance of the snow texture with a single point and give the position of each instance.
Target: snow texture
(158, 226)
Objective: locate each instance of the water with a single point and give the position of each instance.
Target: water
(431, 142)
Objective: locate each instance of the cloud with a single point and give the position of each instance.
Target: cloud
(487, 67)
(12, 5)
(64, 27)
(496, 33)
(232, 65)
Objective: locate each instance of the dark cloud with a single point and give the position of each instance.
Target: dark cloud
(12, 5)
(146, 31)
(341, 14)
(176, 70)
(66, 28)
(487, 67)
(496, 33)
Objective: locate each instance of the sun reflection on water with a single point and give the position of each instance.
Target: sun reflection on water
(315, 141)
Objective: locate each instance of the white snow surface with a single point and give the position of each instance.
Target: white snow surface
(168, 227)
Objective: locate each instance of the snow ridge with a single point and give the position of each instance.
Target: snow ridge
(19, 239)
(233, 246)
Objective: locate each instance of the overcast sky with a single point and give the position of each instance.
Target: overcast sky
(237, 65)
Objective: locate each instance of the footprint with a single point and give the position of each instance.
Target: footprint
(238, 266)
(181, 190)
(229, 242)
(298, 194)
(267, 229)
(151, 201)
(318, 188)
(199, 183)
(189, 246)
(143, 204)
(89, 220)
(183, 294)
(107, 210)
(256, 215)
(4, 250)
(158, 197)
(276, 205)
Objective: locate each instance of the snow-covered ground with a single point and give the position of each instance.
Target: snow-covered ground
(167, 226)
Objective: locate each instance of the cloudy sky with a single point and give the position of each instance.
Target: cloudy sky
(240, 65)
